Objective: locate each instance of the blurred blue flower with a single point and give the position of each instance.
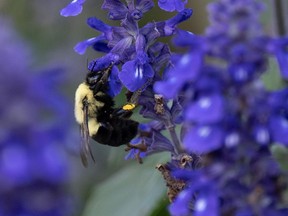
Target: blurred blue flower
(219, 94)
(228, 114)
(33, 164)
(72, 9)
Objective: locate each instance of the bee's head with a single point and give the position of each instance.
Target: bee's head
(93, 77)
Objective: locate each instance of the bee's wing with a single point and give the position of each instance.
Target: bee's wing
(85, 145)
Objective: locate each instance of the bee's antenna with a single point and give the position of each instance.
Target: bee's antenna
(94, 66)
(92, 69)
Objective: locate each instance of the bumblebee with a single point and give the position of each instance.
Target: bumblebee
(97, 117)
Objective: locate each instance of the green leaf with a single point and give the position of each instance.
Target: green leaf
(134, 190)
(161, 208)
(280, 153)
(272, 77)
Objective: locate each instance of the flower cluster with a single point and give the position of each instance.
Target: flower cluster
(214, 93)
(229, 115)
(33, 163)
(137, 52)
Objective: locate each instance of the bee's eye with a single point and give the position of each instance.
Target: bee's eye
(94, 78)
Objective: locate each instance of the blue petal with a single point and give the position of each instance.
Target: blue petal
(98, 25)
(207, 204)
(180, 206)
(134, 75)
(103, 62)
(241, 73)
(261, 134)
(81, 47)
(122, 45)
(279, 129)
(180, 17)
(115, 85)
(72, 9)
(206, 109)
(203, 139)
(186, 69)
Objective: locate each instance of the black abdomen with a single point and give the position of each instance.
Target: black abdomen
(116, 132)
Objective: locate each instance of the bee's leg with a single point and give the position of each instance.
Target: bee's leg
(125, 111)
(121, 113)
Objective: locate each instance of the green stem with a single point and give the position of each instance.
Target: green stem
(175, 140)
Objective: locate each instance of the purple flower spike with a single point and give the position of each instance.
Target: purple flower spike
(72, 9)
(172, 5)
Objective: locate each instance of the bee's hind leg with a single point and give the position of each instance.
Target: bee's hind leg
(121, 113)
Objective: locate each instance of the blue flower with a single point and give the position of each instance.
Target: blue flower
(130, 45)
(227, 108)
(33, 162)
(135, 74)
(72, 9)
